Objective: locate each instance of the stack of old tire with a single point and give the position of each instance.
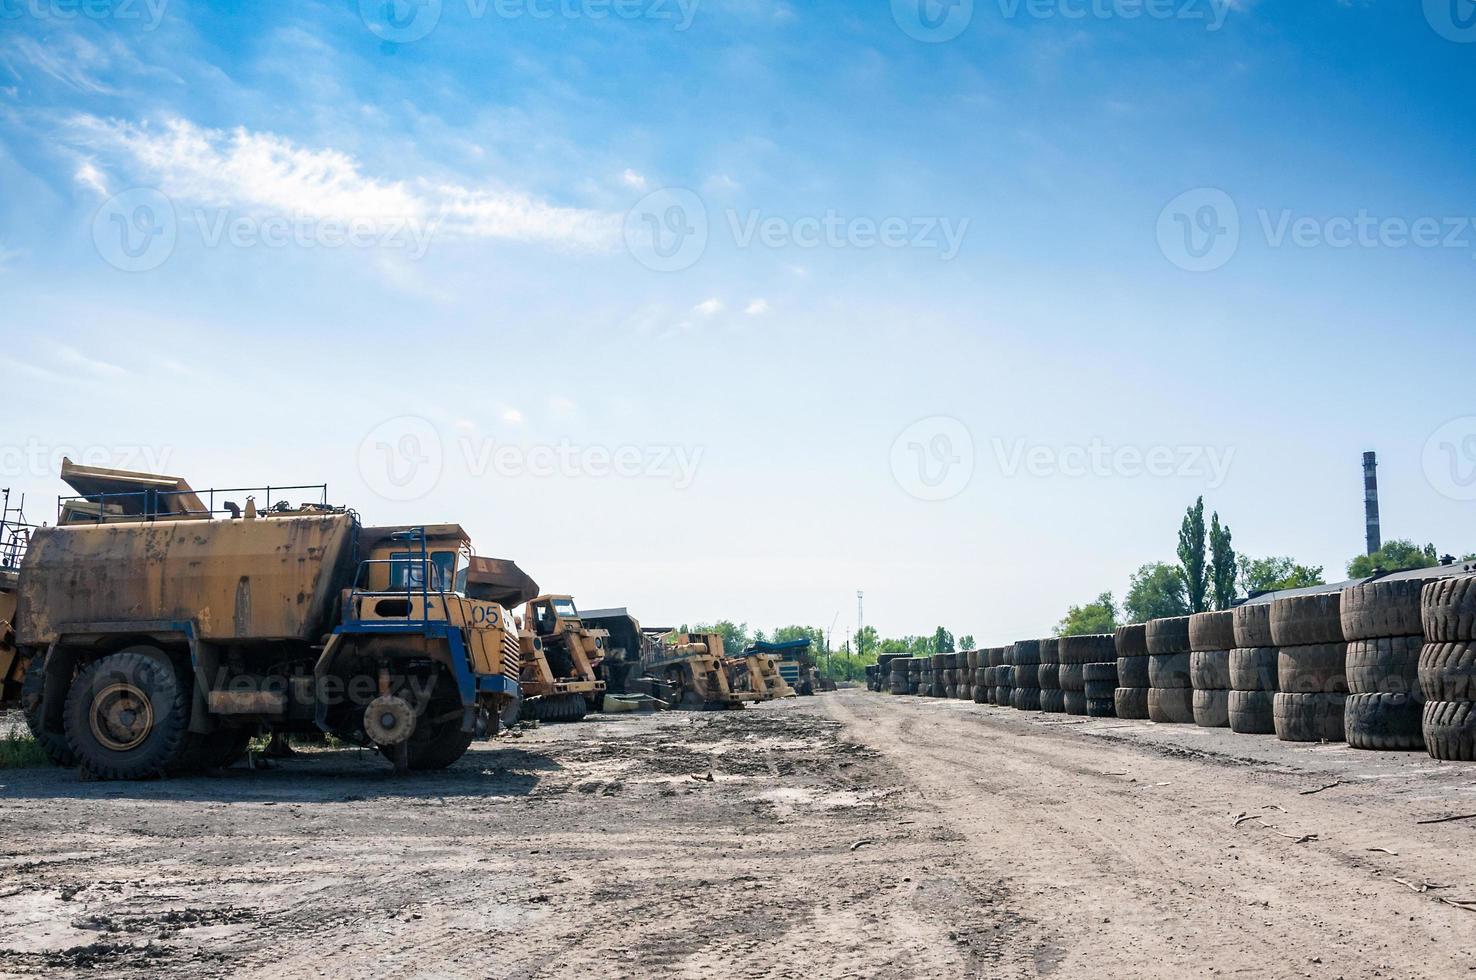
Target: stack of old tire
(1004, 677)
(1130, 699)
(914, 676)
(1311, 667)
(1026, 693)
(1211, 638)
(939, 663)
(1448, 668)
(1052, 698)
(983, 680)
(1170, 690)
(925, 678)
(1099, 683)
(967, 662)
(1076, 653)
(897, 676)
(950, 674)
(1381, 622)
(1253, 673)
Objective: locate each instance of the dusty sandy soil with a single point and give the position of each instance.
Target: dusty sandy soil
(851, 834)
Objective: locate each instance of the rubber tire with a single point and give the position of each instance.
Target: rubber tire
(1025, 699)
(1027, 675)
(1133, 671)
(1309, 717)
(1252, 712)
(1383, 722)
(1449, 729)
(1050, 651)
(1253, 669)
(1209, 670)
(1169, 672)
(1212, 630)
(1448, 610)
(997, 656)
(1026, 652)
(1002, 696)
(33, 687)
(1101, 708)
(162, 749)
(1304, 620)
(1211, 708)
(1105, 671)
(1388, 665)
(1072, 677)
(1170, 635)
(1131, 641)
(1053, 700)
(1448, 671)
(982, 694)
(1099, 690)
(1383, 608)
(1075, 702)
(1049, 676)
(1131, 702)
(1253, 625)
(1089, 649)
(1171, 705)
(1320, 668)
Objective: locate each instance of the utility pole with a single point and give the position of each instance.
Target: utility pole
(860, 618)
(1371, 502)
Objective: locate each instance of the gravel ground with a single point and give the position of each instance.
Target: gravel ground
(851, 834)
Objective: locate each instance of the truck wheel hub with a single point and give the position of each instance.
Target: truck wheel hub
(389, 720)
(121, 717)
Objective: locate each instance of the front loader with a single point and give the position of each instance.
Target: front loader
(690, 671)
(561, 661)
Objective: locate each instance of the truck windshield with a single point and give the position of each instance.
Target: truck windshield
(407, 571)
(565, 609)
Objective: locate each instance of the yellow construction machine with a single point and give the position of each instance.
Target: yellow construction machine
(561, 661)
(757, 671)
(164, 627)
(690, 671)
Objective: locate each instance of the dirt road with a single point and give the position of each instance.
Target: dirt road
(851, 834)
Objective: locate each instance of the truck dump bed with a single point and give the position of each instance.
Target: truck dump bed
(267, 578)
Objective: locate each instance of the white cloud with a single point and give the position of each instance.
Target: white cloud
(632, 179)
(758, 307)
(90, 177)
(262, 172)
(512, 416)
(720, 184)
(709, 307)
(74, 358)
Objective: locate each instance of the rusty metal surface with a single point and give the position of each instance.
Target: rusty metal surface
(270, 578)
(499, 580)
(127, 489)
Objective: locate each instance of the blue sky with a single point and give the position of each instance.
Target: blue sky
(1061, 277)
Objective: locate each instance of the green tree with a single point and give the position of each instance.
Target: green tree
(1094, 617)
(866, 640)
(1394, 556)
(942, 641)
(966, 641)
(735, 635)
(1191, 557)
(1156, 592)
(1273, 574)
(1222, 563)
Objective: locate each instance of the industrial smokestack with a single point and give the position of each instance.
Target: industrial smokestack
(1371, 501)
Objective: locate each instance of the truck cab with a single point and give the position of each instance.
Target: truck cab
(561, 660)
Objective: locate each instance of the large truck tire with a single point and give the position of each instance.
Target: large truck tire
(1211, 708)
(127, 715)
(1168, 636)
(1254, 669)
(33, 688)
(1309, 717)
(1304, 620)
(1212, 630)
(1171, 705)
(1318, 668)
(1448, 671)
(1449, 728)
(1252, 625)
(1131, 702)
(443, 747)
(1382, 608)
(1252, 712)
(1448, 610)
(1387, 722)
(1133, 671)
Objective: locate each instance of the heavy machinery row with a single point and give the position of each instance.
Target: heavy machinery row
(1383, 663)
(155, 629)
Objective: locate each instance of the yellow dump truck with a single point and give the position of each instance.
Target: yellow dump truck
(15, 535)
(757, 671)
(162, 632)
(561, 659)
(691, 671)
